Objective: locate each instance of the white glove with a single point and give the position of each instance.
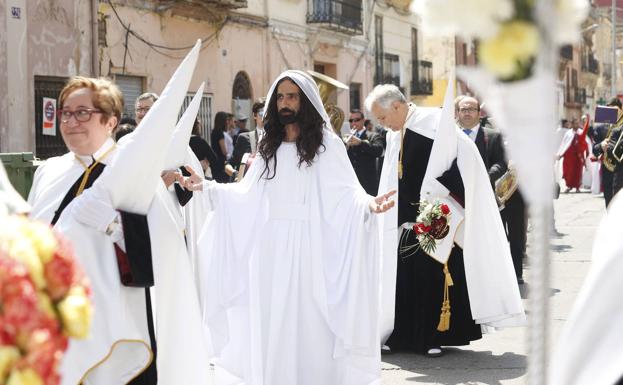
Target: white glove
(93, 208)
(433, 189)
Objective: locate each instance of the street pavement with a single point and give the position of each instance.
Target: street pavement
(501, 358)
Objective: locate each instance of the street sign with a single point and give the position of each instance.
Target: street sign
(49, 116)
(16, 12)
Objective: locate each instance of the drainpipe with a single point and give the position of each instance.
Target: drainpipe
(94, 39)
(268, 50)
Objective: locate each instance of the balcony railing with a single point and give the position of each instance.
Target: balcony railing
(566, 52)
(421, 77)
(580, 95)
(338, 15)
(395, 80)
(575, 95)
(590, 64)
(199, 9)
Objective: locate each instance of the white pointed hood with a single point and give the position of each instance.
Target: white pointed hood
(309, 88)
(132, 177)
(181, 135)
(444, 149)
(10, 200)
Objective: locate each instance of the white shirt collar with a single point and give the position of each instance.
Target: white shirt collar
(87, 159)
(474, 132)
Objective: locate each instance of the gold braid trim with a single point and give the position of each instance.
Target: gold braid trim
(107, 356)
(402, 139)
(90, 168)
(444, 317)
(410, 112)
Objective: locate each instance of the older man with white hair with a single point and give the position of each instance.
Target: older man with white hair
(427, 159)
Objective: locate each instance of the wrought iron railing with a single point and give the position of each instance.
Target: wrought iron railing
(580, 95)
(590, 64)
(338, 15)
(421, 77)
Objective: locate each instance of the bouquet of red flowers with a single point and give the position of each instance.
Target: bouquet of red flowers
(431, 224)
(44, 300)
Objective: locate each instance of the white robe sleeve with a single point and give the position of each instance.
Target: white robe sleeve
(347, 238)
(225, 245)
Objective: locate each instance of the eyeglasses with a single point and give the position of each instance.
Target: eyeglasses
(465, 110)
(142, 110)
(81, 115)
(355, 120)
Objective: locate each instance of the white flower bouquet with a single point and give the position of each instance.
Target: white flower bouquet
(508, 32)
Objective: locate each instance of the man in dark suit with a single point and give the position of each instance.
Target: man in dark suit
(611, 168)
(490, 144)
(363, 150)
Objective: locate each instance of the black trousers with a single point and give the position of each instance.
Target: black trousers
(607, 178)
(515, 220)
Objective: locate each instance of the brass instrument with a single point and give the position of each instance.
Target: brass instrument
(506, 185)
(326, 86)
(609, 163)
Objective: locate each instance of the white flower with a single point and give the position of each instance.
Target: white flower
(466, 18)
(570, 14)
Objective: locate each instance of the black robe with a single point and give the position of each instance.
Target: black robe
(420, 278)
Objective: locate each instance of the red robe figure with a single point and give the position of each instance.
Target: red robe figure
(574, 149)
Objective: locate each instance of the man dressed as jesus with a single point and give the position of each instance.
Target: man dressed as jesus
(290, 264)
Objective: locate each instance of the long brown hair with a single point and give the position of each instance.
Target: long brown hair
(308, 142)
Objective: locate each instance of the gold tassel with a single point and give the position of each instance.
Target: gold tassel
(88, 169)
(444, 317)
(446, 272)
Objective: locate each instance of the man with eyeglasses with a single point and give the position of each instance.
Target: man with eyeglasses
(488, 141)
(363, 149)
(490, 144)
(143, 104)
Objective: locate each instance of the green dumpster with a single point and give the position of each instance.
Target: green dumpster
(20, 167)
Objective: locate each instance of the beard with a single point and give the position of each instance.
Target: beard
(287, 116)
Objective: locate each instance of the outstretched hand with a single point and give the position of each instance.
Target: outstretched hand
(381, 203)
(194, 182)
(170, 176)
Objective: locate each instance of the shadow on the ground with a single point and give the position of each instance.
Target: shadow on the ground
(560, 248)
(524, 290)
(458, 366)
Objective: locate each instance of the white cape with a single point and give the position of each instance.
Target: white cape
(118, 347)
(590, 348)
(566, 141)
(120, 311)
(493, 291)
(290, 273)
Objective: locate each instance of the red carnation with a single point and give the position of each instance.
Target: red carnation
(421, 228)
(445, 209)
(60, 275)
(19, 304)
(45, 351)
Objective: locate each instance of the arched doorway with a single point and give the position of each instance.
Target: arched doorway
(242, 97)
